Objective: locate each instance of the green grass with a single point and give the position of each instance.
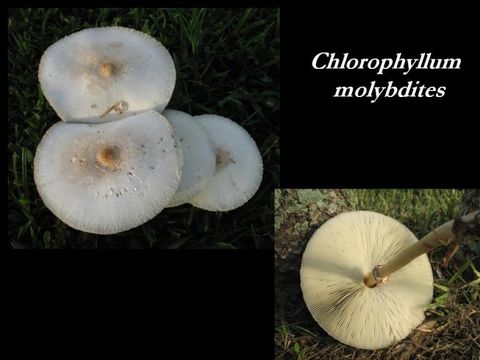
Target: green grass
(451, 329)
(227, 63)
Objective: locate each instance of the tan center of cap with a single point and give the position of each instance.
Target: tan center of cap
(223, 158)
(108, 157)
(107, 70)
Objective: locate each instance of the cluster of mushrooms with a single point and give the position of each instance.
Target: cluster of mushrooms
(118, 157)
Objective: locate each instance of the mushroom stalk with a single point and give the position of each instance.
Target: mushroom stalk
(442, 235)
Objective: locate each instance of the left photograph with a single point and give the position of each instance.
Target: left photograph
(142, 128)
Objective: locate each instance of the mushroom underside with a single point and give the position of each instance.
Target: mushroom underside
(339, 256)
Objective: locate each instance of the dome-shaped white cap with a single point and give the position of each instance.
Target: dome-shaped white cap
(198, 155)
(111, 71)
(239, 167)
(108, 178)
(338, 257)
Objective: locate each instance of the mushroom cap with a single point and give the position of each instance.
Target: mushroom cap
(239, 166)
(198, 155)
(108, 178)
(338, 257)
(91, 71)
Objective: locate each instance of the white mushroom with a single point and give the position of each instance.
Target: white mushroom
(102, 74)
(239, 166)
(108, 178)
(334, 274)
(198, 155)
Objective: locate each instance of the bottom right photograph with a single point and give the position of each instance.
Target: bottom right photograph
(377, 273)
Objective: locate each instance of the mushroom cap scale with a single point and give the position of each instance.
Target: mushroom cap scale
(102, 74)
(338, 257)
(239, 166)
(198, 155)
(108, 178)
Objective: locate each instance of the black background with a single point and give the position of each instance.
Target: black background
(395, 142)
(176, 304)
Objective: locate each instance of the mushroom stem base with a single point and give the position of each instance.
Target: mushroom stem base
(374, 278)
